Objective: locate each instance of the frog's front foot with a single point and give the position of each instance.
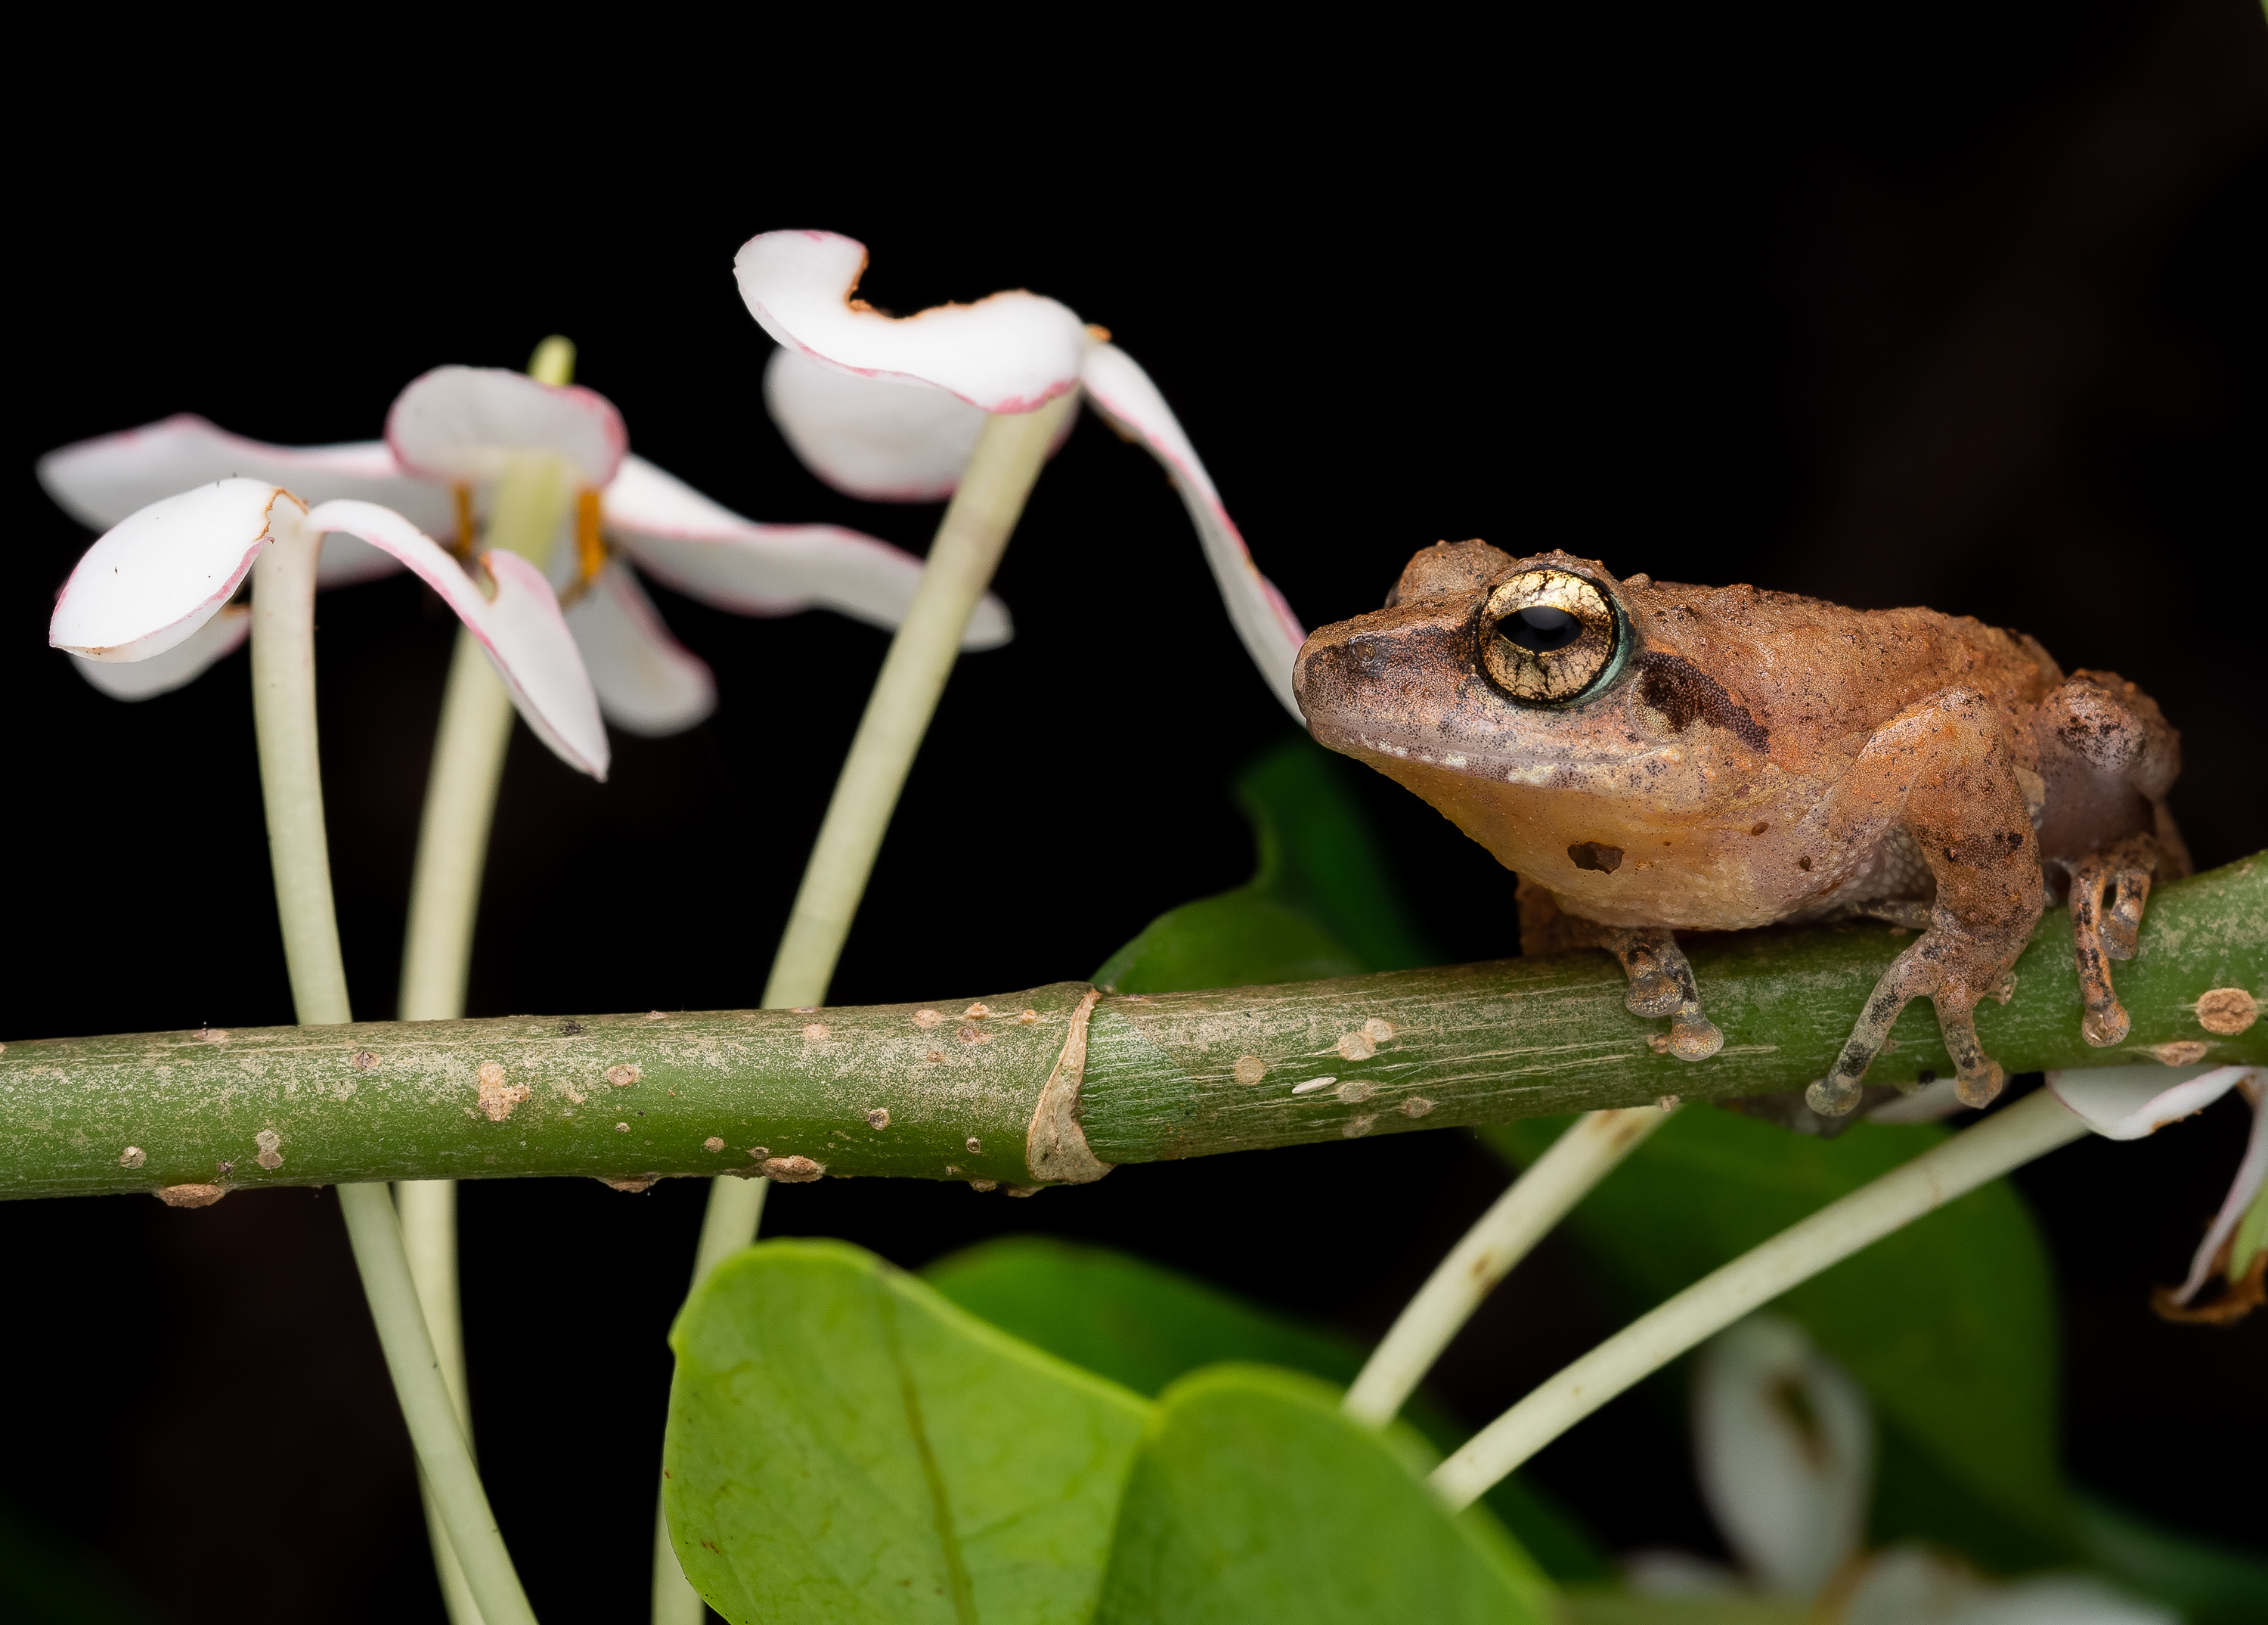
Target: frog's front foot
(1661, 984)
(2108, 891)
(1952, 971)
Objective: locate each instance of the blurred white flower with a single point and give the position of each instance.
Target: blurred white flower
(1783, 1443)
(152, 584)
(887, 408)
(2129, 1103)
(451, 436)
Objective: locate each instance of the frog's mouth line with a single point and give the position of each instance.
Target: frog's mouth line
(1557, 771)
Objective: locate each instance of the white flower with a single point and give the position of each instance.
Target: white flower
(1783, 1439)
(153, 584)
(451, 435)
(887, 408)
(2128, 1102)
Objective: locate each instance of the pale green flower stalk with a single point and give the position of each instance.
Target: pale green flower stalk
(1001, 472)
(2008, 1139)
(444, 891)
(283, 718)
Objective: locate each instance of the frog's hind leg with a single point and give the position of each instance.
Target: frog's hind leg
(1661, 984)
(1942, 769)
(2108, 891)
(1915, 973)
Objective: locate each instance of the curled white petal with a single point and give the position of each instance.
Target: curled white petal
(875, 439)
(1786, 1482)
(707, 551)
(519, 628)
(647, 682)
(2127, 1103)
(152, 579)
(1122, 392)
(177, 667)
(1012, 352)
(463, 424)
(102, 481)
(2251, 1173)
(878, 439)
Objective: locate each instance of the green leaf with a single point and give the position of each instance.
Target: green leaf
(844, 1445)
(1252, 1498)
(2211, 1584)
(1124, 1318)
(1145, 1325)
(1949, 1323)
(1323, 903)
(1604, 1607)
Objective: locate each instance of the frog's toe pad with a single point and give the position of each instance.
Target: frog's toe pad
(1833, 1096)
(1981, 1088)
(1695, 1038)
(2106, 1026)
(1654, 992)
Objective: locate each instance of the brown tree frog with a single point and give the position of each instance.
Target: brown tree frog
(1651, 757)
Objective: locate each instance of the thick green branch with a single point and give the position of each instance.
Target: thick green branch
(905, 1090)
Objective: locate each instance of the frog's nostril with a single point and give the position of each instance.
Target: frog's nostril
(1595, 856)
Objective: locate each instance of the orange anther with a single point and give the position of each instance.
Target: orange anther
(590, 547)
(463, 494)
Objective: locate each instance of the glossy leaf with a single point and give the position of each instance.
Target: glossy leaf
(2211, 1584)
(1145, 1325)
(844, 1445)
(1253, 1497)
(1949, 1323)
(1322, 904)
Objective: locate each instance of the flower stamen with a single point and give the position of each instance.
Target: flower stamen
(590, 546)
(462, 494)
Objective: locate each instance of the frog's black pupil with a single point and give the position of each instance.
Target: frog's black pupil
(1542, 630)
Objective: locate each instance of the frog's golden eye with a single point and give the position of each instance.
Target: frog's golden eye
(1549, 638)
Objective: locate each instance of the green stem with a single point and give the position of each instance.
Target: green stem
(530, 503)
(2008, 1139)
(628, 1096)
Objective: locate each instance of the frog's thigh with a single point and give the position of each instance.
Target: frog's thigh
(1943, 771)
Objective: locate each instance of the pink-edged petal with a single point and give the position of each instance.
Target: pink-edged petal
(151, 580)
(1122, 392)
(102, 481)
(707, 551)
(875, 439)
(462, 426)
(1012, 352)
(647, 682)
(177, 667)
(2251, 1173)
(2128, 1102)
(521, 628)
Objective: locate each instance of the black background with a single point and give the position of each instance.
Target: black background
(1957, 310)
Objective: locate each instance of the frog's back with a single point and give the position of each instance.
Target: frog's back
(1818, 677)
